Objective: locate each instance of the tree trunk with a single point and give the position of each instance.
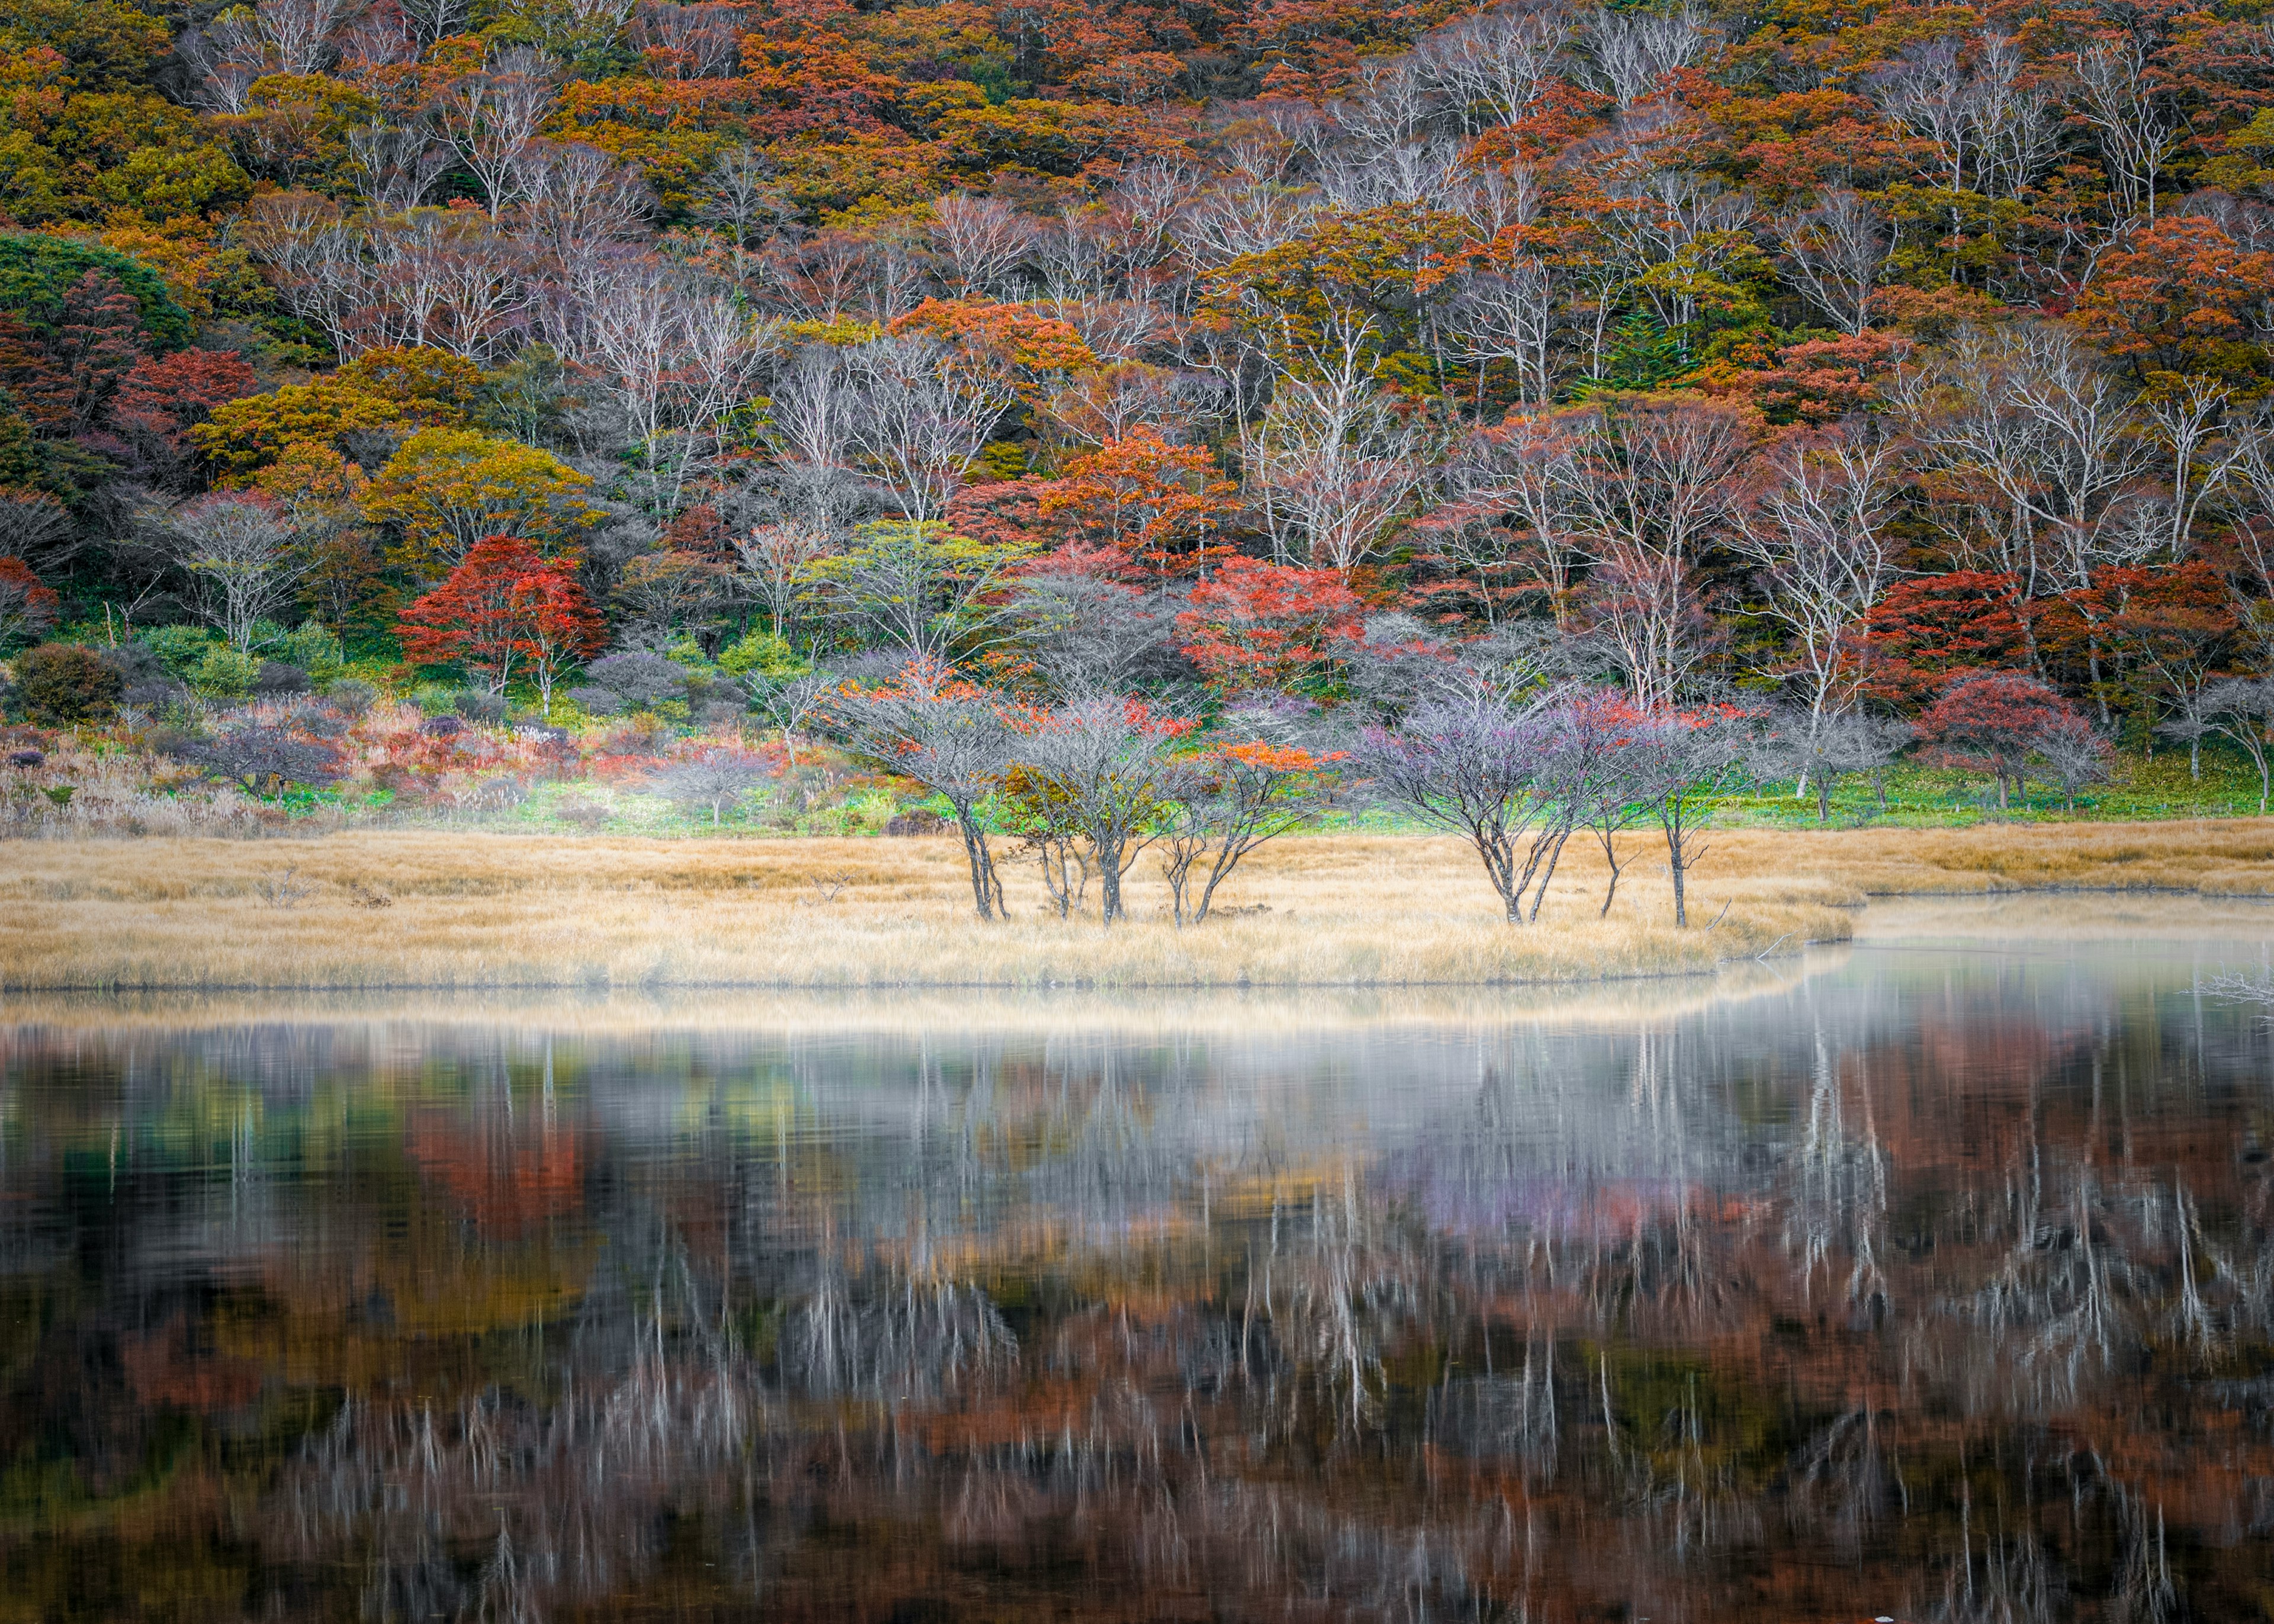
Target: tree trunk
(986, 889)
(1540, 893)
(1109, 882)
(1673, 864)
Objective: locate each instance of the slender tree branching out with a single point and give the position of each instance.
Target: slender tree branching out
(953, 738)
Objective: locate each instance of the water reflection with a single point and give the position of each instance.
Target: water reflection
(1932, 1283)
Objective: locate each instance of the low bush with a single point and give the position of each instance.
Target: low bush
(63, 685)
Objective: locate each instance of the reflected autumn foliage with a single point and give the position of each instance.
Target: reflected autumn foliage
(1937, 1286)
(505, 1174)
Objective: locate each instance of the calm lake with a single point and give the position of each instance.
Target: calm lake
(1929, 1279)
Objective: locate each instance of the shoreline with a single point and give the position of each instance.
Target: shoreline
(435, 913)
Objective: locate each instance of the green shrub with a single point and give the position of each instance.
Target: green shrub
(225, 674)
(762, 653)
(178, 648)
(314, 649)
(61, 685)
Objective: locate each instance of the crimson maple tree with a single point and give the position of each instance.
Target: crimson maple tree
(1258, 625)
(1992, 723)
(505, 604)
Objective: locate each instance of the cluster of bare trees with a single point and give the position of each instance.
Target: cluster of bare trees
(1086, 785)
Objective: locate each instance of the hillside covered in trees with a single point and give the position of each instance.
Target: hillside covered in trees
(1892, 376)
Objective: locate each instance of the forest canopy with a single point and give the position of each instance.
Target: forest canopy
(1810, 360)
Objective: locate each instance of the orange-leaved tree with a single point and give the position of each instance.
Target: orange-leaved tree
(27, 607)
(505, 608)
(1155, 503)
(1257, 625)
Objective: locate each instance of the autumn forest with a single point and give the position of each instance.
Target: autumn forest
(407, 405)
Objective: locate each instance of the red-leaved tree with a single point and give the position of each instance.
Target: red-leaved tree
(505, 608)
(27, 608)
(1923, 630)
(1992, 722)
(1255, 625)
(164, 397)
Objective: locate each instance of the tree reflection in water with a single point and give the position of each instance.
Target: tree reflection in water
(1934, 1286)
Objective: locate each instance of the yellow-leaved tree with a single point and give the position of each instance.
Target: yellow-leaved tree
(444, 488)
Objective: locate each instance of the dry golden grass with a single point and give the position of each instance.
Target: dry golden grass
(2231, 858)
(496, 911)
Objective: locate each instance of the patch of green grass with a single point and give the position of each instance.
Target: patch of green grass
(2143, 789)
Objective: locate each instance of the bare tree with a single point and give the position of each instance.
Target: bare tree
(36, 528)
(1990, 125)
(2191, 423)
(1684, 765)
(1507, 315)
(1643, 492)
(2072, 756)
(397, 169)
(678, 364)
(1236, 219)
(953, 738)
(2241, 711)
(1835, 254)
(777, 567)
(242, 562)
(1674, 229)
(2043, 445)
(1819, 750)
(922, 414)
(576, 200)
(982, 241)
(1489, 69)
(1083, 635)
(1517, 473)
(711, 780)
(808, 429)
(432, 277)
(2137, 138)
(491, 118)
(262, 758)
(741, 198)
(1614, 794)
(1337, 461)
(701, 40)
(1472, 762)
(298, 32)
(1817, 536)
(227, 53)
(792, 700)
(1631, 50)
(433, 21)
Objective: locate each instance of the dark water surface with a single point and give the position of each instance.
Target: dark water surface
(1924, 1282)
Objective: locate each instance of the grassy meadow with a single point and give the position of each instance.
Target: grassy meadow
(447, 909)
